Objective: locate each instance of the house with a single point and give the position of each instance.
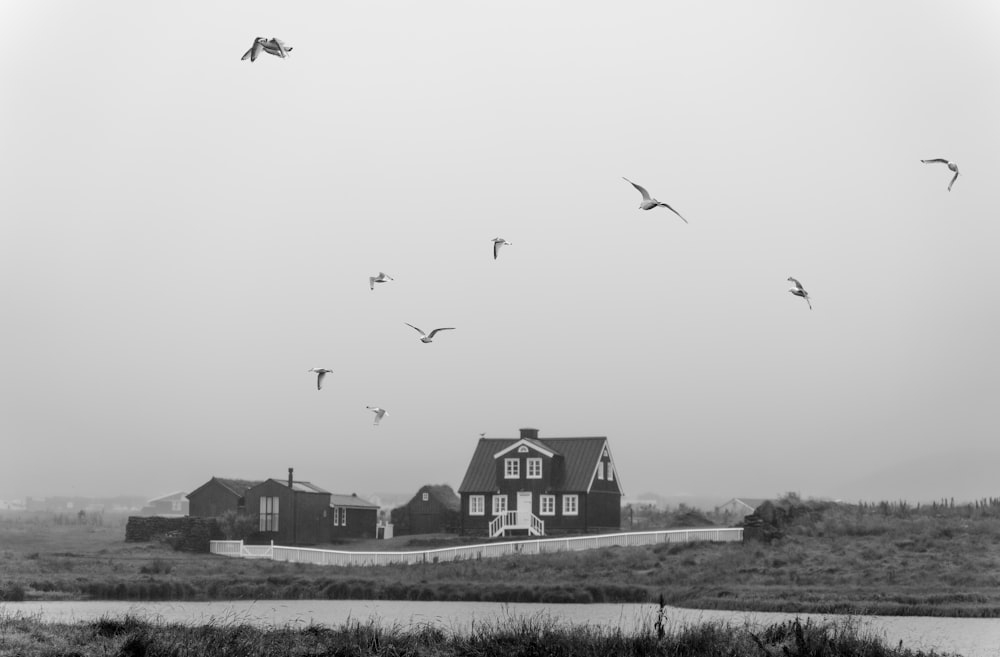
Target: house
(740, 506)
(352, 517)
(173, 504)
(435, 508)
(540, 486)
(290, 512)
(218, 495)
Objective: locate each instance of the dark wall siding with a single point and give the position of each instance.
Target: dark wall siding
(212, 501)
(361, 523)
(604, 511)
(304, 522)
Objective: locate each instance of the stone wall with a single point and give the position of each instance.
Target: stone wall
(189, 534)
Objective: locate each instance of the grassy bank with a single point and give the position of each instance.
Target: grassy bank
(506, 637)
(891, 561)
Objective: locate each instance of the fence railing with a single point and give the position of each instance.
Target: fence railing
(482, 551)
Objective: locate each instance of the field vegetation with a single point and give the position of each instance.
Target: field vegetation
(539, 635)
(886, 558)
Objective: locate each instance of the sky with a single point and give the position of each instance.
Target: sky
(184, 234)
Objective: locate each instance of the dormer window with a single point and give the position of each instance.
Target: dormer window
(534, 468)
(512, 468)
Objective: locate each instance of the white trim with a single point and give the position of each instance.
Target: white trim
(576, 504)
(527, 467)
(482, 505)
(529, 443)
(593, 474)
(512, 472)
(542, 499)
(496, 498)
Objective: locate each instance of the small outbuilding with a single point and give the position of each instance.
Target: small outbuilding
(434, 509)
(219, 495)
(352, 517)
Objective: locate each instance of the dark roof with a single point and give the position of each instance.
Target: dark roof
(300, 486)
(351, 501)
(443, 493)
(580, 457)
(237, 487)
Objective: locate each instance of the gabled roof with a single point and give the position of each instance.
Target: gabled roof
(237, 487)
(170, 496)
(752, 502)
(579, 455)
(301, 486)
(354, 501)
(443, 493)
(537, 444)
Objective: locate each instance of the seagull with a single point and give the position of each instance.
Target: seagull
(951, 167)
(381, 278)
(427, 338)
(320, 373)
(497, 243)
(800, 291)
(379, 413)
(271, 46)
(648, 202)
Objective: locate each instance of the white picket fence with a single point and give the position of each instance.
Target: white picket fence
(482, 551)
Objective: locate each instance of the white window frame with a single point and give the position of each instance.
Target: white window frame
(343, 516)
(534, 468)
(512, 468)
(477, 505)
(336, 516)
(600, 470)
(571, 505)
(499, 504)
(611, 472)
(546, 505)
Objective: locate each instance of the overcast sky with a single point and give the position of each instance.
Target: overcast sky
(183, 234)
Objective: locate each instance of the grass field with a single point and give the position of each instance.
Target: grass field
(876, 560)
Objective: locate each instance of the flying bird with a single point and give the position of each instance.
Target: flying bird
(428, 337)
(320, 373)
(379, 413)
(799, 291)
(271, 46)
(648, 202)
(381, 278)
(497, 243)
(951, 167)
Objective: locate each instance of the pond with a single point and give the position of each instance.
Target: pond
(972, 637)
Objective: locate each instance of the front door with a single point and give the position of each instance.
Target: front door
(524, 509)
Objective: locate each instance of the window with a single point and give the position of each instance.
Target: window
(343, 516)
(600, 469)
(426, 496)
(340, 516)
(611, 473)
(499, 504)
(546, 505)
(336, 517)
(511, 468)
(534, 468)
(477, 504)
(268, 514)
(570, 504)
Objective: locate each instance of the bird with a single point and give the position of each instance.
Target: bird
(648, 202)
(379, 413)
(799, 291)
(320, 373)
(428, 337)
(951, 167)
(497, 243)
(381, 278)
(271, 46)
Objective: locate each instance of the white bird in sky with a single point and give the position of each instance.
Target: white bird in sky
(428, 337)
(271, 46)
(800, 291)
(379, 413)
(381, 278)
(497, 243)
(951, 166)
(320, 373)
(648, 202)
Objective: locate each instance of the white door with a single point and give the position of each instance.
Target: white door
(524, 509)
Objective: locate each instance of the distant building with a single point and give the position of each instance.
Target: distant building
(740, 506)
(435, 508)
(352, 517)
(171, 505)
(540, 486)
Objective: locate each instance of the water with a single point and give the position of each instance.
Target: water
(971, 637)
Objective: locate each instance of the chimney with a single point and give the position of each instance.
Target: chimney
(529, 433)
(290, 470)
